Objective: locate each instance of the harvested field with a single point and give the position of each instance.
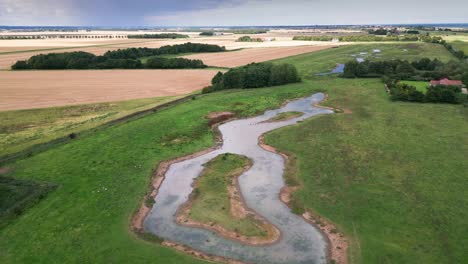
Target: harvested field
(39, 89)
(242, 57)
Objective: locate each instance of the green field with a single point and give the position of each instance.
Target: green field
(461, 45)
(325, 61)
(210, 201)
(420, 86)
(24, 128)
(391, 175)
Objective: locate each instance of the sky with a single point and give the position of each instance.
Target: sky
(128, 13)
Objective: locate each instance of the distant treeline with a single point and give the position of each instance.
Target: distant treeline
(119, 59)
(434, 94)
(358, 38)
(249, 39)
(422, 70)
(207, 33)
(158, 36)
(254, 75)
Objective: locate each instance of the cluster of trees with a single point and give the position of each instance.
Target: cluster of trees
(435, 94)
(254, 75)
(249, 39)
(173, 63)
(119, 59)
(134, 53)
(380, 31)
(158, 36)
(84, 60)
(422, 70)
(207, 33)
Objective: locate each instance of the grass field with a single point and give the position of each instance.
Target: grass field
(24, 128)
(18, 195)
(461, 45)
(420, 86)
(324, 61)
(391, 175)
(211, 202)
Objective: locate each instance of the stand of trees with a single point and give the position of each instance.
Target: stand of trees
(173, 63)
(422, 70)
(119, 59)
(207, 33)
(249, 39)
(254, 75)
(158, 36)
(435, 94)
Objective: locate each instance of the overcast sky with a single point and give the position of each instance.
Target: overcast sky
(229, 12)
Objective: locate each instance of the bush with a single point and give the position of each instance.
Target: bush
(207, 33)
(249, 39)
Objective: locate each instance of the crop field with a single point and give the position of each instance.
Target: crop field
(39, 89)
(21, 129)
(391, 175)
(246, 56)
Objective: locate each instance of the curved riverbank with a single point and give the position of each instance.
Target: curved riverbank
(259, 191)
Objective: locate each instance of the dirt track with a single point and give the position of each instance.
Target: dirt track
(39, 89)
(246, 56)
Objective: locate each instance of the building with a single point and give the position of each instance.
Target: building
(447, 82)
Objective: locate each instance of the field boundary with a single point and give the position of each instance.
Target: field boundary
(41, 147)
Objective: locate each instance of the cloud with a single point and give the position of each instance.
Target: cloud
(228, 12)
(303, 12)
(31, 12)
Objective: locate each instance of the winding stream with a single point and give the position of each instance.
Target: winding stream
(260, 186)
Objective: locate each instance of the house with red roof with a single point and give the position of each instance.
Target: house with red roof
(447, 82)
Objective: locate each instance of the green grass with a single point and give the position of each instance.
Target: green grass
(24, 128)
(285, 116)
(17, 195)
(391, 175)
(324, 61)
(103, 177)
(420, 86)
(461, 45)
(211, 202)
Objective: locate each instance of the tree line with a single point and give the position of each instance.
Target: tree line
(424, 69)
(434, 94)
(254, 75)
(119, 59)
(158, 36)
(249, 39)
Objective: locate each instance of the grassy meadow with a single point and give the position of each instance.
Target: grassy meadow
(461, 45)
(420, 86)
(391, 175)
(21, 129)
